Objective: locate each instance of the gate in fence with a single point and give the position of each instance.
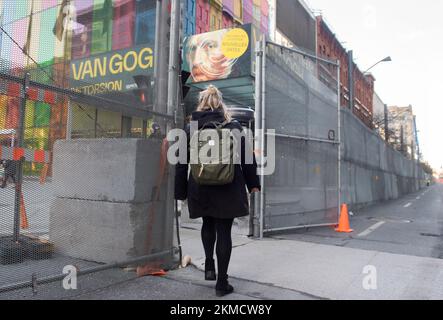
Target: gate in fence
(297, 105)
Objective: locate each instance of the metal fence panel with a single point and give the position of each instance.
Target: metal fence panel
(373, 171)
(88, 178)
(303, 110)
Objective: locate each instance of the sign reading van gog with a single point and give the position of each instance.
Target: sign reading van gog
(112, 71)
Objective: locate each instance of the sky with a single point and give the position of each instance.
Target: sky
(411, 32)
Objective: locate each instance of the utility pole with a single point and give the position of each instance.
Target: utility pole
(351, 79)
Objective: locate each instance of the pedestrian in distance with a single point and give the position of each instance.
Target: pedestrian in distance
(218, 193)
(10, 172)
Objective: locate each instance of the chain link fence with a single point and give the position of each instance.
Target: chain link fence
(372, 171)
(298, 101)
(84, 173)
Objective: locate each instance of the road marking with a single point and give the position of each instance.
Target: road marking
(408, 205)
(418, 198)
(372, 229)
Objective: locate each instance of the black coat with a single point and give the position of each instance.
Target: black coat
(227, 201)
(10, 168)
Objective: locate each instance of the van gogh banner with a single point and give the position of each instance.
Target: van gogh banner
(112, 71)
(219, 55)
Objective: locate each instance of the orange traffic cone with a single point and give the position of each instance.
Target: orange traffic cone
(343, 225)
(23, 218)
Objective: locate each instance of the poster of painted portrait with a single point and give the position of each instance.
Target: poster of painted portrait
(218, 55)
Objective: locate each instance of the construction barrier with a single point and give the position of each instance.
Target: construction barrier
(16, 154)
(23, 217)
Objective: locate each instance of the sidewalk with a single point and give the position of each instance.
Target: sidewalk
(265, 270)
(324, 271)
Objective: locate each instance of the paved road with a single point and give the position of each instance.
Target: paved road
(412, 225)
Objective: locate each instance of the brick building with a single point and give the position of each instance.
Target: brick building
(209, 15)
(329, 47)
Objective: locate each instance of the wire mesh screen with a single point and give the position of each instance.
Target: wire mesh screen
(372, 171)
(74, 193)
(301, 106)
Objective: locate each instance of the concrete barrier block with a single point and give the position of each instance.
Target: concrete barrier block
(115, 170)
(103, 232)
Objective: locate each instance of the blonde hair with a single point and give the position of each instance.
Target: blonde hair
(211, 99)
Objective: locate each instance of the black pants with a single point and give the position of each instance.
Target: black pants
(218, 230)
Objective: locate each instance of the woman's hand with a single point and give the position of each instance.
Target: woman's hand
(255, 190)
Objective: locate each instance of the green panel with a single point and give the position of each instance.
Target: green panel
(44, 73)
(42, 138)
(21, 9)
(36, 144)
(29, 114)
(37, 139)
(47, 38)
(42, 114)
(102, 26)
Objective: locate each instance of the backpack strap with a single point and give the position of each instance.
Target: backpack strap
(217, 125)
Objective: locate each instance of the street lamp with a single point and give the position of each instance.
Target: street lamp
(387, 59)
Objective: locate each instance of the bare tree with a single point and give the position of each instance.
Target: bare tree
(379, 124)
(395, 137)
(427, 168)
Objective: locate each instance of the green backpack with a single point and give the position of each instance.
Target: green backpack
(217, 169)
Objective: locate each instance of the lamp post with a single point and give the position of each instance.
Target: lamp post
(387, 59)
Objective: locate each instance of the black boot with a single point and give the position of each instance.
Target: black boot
(210, 270)
(223, 288)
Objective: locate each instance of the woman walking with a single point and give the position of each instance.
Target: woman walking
(218, 205)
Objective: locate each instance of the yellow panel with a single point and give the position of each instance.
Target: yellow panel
(29, 134)
(29, 114)
(3, 109)
(41, 133)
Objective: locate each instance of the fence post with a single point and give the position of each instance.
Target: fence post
(171, 109)
(19, 163)
(339, 145)
(263, 137)
(258, 91)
